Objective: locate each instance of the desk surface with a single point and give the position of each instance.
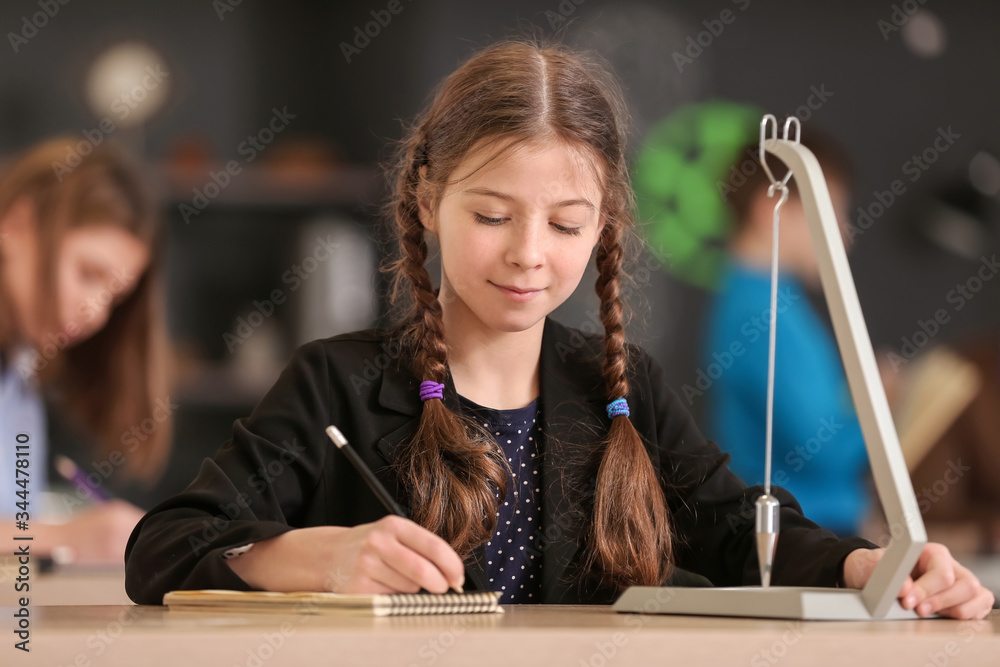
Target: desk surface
(550, 635)
(81, 586)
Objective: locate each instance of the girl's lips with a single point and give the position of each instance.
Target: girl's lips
(516, 294)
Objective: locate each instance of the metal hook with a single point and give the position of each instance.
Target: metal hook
(798, 129)
(775, 184)
(763, 136)
(780, 188)
(798, 137)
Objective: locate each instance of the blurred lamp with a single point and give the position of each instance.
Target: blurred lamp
(924, 34)
(127, 83)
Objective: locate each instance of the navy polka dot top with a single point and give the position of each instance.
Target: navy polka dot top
(513, 560)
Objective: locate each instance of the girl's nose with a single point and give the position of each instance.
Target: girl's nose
(525, 248)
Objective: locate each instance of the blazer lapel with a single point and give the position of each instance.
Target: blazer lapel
(398, 392)
(572, 399)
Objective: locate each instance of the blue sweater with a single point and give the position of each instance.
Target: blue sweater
(818, 447)
(22, 411)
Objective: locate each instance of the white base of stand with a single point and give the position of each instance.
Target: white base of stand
(807, 604)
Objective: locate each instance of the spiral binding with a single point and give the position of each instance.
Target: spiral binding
(400, 604)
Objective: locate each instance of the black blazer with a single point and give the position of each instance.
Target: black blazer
(280, 471)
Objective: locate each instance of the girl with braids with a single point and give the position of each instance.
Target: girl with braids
(530, 459)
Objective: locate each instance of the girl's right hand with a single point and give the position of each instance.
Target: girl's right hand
(391, 555)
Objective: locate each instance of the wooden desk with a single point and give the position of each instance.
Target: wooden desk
(81, 586)
(551, 636)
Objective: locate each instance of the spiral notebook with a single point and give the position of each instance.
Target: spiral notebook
(394, 604)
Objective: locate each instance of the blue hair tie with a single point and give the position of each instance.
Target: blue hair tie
(619, 406)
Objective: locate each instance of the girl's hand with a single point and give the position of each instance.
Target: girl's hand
(938, 583)
(391, 555)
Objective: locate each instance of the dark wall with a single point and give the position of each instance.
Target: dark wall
(229, 73)
(887, 103)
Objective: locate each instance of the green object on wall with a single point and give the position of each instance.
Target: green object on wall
(680, 181)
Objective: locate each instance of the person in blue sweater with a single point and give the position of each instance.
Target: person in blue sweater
(818, 448)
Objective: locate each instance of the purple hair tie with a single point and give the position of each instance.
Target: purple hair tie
(619, 406)
(430, 389)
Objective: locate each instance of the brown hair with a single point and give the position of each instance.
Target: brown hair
(505, 95)
(109, 383)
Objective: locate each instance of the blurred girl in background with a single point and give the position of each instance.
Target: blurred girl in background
(80, 333)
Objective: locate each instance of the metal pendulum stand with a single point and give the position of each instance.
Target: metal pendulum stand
(878, 599)
(767, 521)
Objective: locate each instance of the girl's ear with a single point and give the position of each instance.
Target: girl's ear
(427, 217)
(600, 229)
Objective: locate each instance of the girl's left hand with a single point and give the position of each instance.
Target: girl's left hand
(938, 584)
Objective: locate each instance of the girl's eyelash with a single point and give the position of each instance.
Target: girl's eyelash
(575, 231)
(496, 221)
(488, 221)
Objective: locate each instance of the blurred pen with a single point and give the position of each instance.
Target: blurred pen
(72, 474)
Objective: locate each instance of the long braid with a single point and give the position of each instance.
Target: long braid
(424, 329)
(630, 540)
(451, 468)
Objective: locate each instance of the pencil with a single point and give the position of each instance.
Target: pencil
(367, 474)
